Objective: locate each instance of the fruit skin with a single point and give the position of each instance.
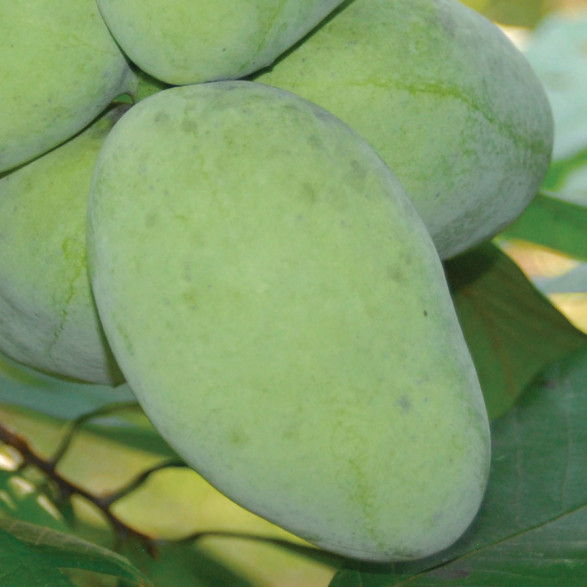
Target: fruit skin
(199, 40)
(48, 319)
(445, 98)
(60, 69)
(281, 314)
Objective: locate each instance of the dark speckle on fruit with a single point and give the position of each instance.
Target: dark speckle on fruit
(161, 117)
(404, 403)
(237, 437)
(316, 141)
(189, 126)
(190, 298)
(395, 273)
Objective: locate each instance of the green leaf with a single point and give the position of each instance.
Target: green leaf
(122, 422)
(133, 430)
(147, 85)
(21, 499)
(574, 188)
(128, 427)
(183, 564)
(31, 555)
(513, 331)
(18, 567)
(20, 386)
(573, 281)
(557, 55)
(552, 554)
(308, 552)
(531, 527)
(553, 223)
(558, 174)
(519, 13)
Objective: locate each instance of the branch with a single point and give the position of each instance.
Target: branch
(68, 488)
(76, 424)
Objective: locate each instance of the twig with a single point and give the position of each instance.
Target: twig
(76, 424)
(68, 488)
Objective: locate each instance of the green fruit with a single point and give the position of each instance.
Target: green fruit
(48, 318)
(280, 312)
(198, 40)
(60, 69)
(449, 103)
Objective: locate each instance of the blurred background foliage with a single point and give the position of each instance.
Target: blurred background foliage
(109, 451)
(553, 35)
(523, 13)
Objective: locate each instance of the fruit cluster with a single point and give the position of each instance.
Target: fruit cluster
(260, 258)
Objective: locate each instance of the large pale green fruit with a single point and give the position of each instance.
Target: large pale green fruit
(445, 98)
(281, 314)
(60, 69)
(189, 41)
(48, 318)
